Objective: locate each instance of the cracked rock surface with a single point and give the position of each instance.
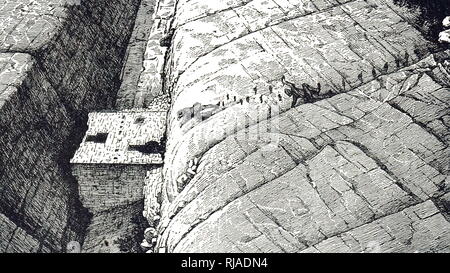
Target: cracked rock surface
(59, 59)
(364, 168)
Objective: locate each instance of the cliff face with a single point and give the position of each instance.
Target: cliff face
(295, 126)
(117, 230)
(59, 59)
(328, 129)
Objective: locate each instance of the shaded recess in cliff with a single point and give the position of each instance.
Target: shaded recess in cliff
(120, 229)
(59, 60)
(431, 14)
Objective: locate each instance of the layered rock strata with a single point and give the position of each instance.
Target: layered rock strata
(59, 59)
(328, 129)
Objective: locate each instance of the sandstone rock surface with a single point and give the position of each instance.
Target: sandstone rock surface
(59, 59)
(365, 165)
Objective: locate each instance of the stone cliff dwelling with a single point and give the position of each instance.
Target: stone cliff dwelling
(149, 126)
(119, 149)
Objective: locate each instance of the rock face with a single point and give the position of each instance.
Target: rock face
(129, 95)
(362, 167)
(117, 230)
(126, 224)
(59, 59)
(295, 126)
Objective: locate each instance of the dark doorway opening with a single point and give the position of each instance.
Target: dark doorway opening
(98, 138)
(151, 147)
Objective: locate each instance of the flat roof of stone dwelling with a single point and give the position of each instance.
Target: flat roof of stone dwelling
(111, 134)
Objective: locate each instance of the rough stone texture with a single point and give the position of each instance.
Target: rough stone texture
(105, 186)
(114, 138)
(420, 228)
(29, 25)
(362, 166)
(371, 156)
(127, 96)
(85, 61)
(110, 230)
(15, 239)
(31, 123)
(152, 194)
(112, 161)
(151, 80)
(58, 60)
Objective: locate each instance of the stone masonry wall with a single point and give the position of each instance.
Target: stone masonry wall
(105, 186)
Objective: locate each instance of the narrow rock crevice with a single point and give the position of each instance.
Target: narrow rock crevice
(74, 68)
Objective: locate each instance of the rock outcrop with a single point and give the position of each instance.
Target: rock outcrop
(294, 126)
(363, 166)
(59, 59)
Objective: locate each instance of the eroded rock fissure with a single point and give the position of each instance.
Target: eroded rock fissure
(66, 67)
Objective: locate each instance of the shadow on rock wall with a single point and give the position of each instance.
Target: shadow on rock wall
(431, 13)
